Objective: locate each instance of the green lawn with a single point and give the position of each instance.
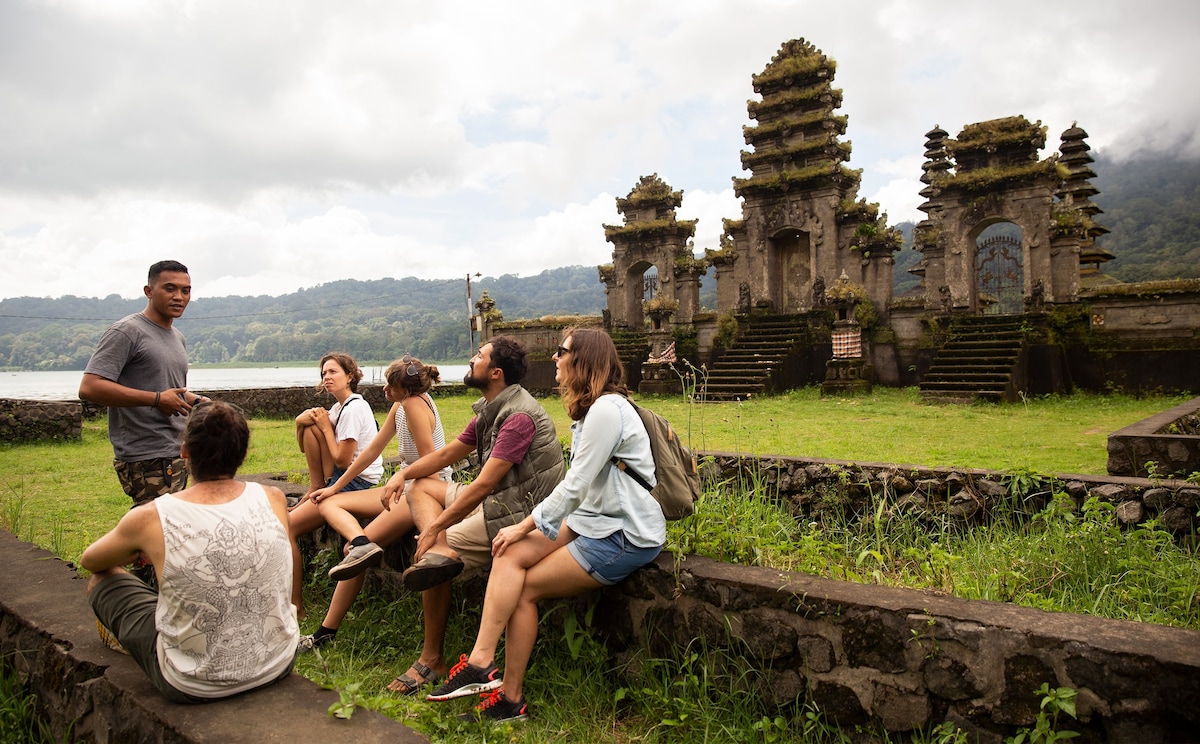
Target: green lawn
(64, 495)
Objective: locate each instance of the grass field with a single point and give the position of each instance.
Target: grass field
(63, 495)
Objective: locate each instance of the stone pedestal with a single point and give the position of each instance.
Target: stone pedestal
(846, 377)
(659, 379)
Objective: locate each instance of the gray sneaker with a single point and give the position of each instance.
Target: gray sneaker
(359, 559)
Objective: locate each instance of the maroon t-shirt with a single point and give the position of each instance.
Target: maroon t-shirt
(512, 441)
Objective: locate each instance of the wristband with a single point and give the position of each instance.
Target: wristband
(156, 398)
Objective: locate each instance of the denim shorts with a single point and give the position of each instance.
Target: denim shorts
(610, 559)
(358, 484)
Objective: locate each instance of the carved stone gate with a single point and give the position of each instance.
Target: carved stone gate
(999, 273)
(991, 173)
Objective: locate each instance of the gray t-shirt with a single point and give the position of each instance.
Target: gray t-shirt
(138, 353)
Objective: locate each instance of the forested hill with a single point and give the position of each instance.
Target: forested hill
(375, 321)
(1151, 205)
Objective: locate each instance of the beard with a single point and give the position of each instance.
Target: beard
(471, 381)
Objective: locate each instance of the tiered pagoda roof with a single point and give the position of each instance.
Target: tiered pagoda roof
(649, 212)
(796, 141)
(998, 151)
(1075, 212)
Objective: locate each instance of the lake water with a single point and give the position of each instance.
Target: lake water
(65, 385)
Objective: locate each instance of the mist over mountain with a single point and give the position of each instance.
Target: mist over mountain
(1151, 205)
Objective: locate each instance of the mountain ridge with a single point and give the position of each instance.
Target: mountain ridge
(1151, 205)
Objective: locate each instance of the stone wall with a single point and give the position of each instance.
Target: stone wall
(87, 692)
(290, 402)
(812, 486)
(31, 421)
(1168, 442)
(911, 659)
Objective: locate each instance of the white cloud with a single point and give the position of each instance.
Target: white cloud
(277, 145)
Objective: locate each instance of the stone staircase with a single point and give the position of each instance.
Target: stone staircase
(981, 362)
(745, 368)
(632, 348)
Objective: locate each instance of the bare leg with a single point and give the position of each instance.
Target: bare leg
(435, 604)
(390, 525)
(317, 457)
(342, 511)
(344, 595)
(426, 502)
(504, 588)
(558, 575)
(382, 530)
(302, 520)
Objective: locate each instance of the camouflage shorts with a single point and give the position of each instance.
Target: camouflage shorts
(146, 480)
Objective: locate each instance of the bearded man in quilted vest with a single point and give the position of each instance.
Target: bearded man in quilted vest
(520, 461)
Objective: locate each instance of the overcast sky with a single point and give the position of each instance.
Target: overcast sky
(277, 145)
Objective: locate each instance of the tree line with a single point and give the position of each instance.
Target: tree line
(375, 321)
(1150, 204)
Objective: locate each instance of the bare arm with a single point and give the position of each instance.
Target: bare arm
(139, 531)
(365, 458)
(173, 401)
(468, 498)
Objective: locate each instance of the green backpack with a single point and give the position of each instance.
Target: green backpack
(678, 479)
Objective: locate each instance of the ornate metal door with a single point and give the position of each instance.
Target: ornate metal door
(999, 276)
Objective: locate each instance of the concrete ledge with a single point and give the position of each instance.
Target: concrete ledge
(1131, 449)
(49, 633)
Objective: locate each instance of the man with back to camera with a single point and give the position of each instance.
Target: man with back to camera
(139, 370)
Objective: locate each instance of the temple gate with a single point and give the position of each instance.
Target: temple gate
(989, 175)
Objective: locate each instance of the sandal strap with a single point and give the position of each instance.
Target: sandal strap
(426, 673)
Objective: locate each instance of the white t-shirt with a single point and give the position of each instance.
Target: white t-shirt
(355, 420)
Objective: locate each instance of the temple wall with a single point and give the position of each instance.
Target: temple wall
(1175, 315)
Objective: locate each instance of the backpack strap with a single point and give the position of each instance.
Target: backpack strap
(342, 412)
(624, 468)
(621, 465)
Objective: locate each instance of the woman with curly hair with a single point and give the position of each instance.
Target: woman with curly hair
(418, 427)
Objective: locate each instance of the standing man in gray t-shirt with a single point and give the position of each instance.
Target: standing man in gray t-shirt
(139, 370)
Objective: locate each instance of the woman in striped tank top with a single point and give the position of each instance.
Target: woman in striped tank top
(418, 429)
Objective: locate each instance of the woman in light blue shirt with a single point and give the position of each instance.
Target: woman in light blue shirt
(595, 528)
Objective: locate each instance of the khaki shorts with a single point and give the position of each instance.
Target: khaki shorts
(469, 538)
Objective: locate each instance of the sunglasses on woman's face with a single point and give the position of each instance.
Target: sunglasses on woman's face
(562, 351)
